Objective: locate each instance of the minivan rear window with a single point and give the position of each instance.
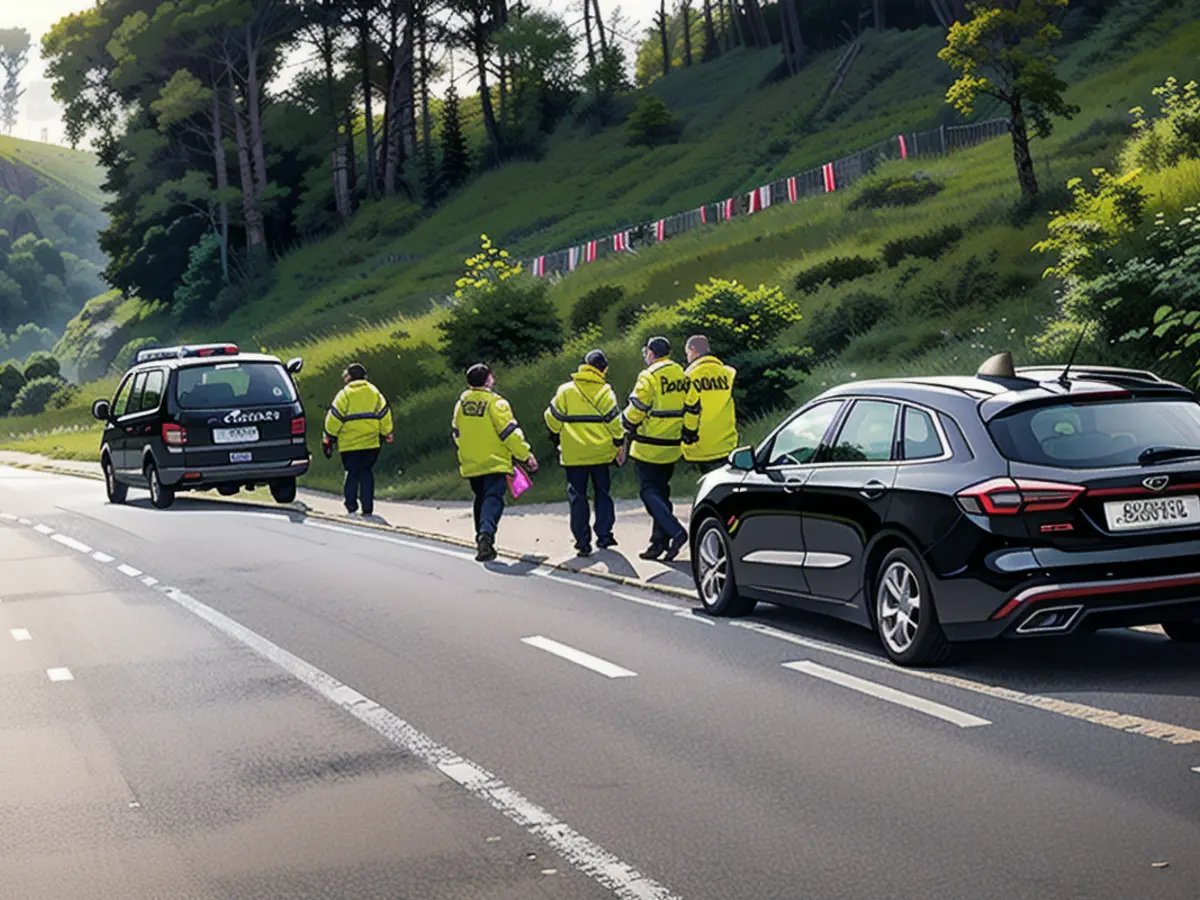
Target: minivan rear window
(224, 385)
(1095, 435)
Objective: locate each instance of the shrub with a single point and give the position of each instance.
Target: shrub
(31, 400)
(652, 123)
(930, 245)
(594, 304)
(41, 365)
(1170, 137)
(505, 324)
(766, 377)
(737, 318)
(201, 281)
(629, 313)
(126, 355)
(832, 328)
(11, 382)
(977, 284)
(895, 192)
(62, 398)
(835, 271)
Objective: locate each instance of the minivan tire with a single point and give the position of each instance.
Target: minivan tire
(161, 496)
(283, 490)
(117, 492)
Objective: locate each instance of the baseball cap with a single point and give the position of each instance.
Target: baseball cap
(659, 346)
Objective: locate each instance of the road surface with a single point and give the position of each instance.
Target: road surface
(225, 702)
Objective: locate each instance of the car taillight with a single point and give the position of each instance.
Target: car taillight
(1009, 497)
(298, 425)
(174, 435)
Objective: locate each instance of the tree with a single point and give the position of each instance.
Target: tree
(14, 54)
(652, 122)
(540, 51)
(1004, 52)
(456, 163)
(661, 23)
(41, 365)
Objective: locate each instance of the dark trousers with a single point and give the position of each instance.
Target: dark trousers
(360, 479)
(577, 497)
(708, 465)
(654, 487)
(489, 502)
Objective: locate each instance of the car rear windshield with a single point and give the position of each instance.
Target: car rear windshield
(1095, 435)
(229, 384)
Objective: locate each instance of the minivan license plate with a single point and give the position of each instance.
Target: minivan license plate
(235, 435)
(1159, 512)
(241, 457)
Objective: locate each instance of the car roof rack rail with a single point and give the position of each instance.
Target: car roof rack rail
(1102, 373)
(186, 351)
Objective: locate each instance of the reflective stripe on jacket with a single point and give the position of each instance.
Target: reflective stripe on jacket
(358, 417)
(585, 417)
(654, 416)
(709, 419)
(487, 435)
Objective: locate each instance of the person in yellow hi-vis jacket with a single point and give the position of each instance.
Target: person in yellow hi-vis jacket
(654, 422)
(709, 418)
(584, 420)
(488, 439)
(358, 419)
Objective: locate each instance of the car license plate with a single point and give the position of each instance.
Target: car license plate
(235, 435)
(1159, 512)
(241, 457)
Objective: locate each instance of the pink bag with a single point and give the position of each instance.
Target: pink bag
(519, 482)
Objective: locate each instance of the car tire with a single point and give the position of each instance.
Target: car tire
(228, 490)
(161, 496)
(283, 490)
(712, 570)
(117, 492)
(1186, 632)
(900, 590)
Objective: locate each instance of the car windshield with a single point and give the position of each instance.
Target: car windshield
(229, 384)
(1096, 435)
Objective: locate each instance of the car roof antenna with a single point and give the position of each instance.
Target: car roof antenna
(1063, 379)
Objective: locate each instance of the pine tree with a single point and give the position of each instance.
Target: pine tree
(456, 165)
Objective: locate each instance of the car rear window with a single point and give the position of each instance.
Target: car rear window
(229, 384)
(1095, 435)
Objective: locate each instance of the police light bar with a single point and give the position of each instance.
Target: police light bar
(186, 352)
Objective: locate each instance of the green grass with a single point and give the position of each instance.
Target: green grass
(73, 170)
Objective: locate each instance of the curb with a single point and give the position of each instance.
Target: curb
(408, 531)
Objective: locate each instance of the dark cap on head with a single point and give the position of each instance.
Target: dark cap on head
(477, 375)
(356, 371)
(597, 360)
(659, 346)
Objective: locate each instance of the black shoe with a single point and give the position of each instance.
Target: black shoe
(606, 543)
(485, 548)
(676, 545)
(654, 551)
(583, 552)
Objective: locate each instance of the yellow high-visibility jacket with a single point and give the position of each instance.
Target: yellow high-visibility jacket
(358, 417)
(709, 419)
(585, 416)
(487, 435)
(654, 416)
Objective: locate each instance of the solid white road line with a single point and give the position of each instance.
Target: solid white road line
(693, 617)
(891, 695)
(102, 557)
(129, 570)
(71, 543)
(20, 634)
(60, 675)
(1162, 731)
(595, 663)
(369, 535)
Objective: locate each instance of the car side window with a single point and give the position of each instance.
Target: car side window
(868, 434)
(121, 400)
(152, 392)
(798, 441)
(921, 440)
(135, 396)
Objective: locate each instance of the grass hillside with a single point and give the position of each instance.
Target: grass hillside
(973, 287)
(73, 170)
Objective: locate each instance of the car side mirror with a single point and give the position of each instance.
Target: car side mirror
(295, 364)
(742, 459)
(102, 411)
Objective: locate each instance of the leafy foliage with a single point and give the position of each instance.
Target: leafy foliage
(27, 339)
(835, 271)
(592, 306)
(31, 400)
(1099, 216)
(735, 317)
(129, 351)
(930, 245)
(486, 270)
(202, 281)
(41, 365)
(889, 192)
(831, 328)
(1171, 136)
(766, 377)
(11, 382)
(652, 123)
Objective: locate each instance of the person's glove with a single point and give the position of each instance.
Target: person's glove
(327, 447)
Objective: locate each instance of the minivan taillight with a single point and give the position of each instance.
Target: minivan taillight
(1009, 497)
(298, 425)
(174, 435)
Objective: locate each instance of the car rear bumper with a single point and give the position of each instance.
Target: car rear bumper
(182, 478)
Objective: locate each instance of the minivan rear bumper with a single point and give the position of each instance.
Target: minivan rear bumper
(182, 478)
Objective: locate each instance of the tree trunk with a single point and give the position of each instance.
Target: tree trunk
(351, 156)
(794, 51)
(735, 19)
(1021, 153)
(485, 95)
(341, 186)
(426, 124)
(391, 121)
(368, 116)
(222, 178)
(662, 34)
(600, 29)
(587, 33)
(710, 34)
(726, 31)
(758, 25)
(407, 86)
(879, 17)
(251, 211)
(685, 10)
(253, 106)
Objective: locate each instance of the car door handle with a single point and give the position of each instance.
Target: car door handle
(791, 485)
(873, 489)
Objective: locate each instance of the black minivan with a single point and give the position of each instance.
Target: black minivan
(204, 417)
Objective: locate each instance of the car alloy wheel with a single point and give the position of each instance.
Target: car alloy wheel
(712, 568)
(899, 606)
(905, 613)
(161, 496)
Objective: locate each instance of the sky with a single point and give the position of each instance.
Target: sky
(39, 111)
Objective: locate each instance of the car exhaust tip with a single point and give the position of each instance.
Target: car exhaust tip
(1055, 620)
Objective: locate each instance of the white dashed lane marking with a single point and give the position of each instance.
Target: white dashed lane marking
(71, 543)
(102, 557)
(595, 663)
(42, 529)
(20, 634)
(129, 570)
(60, 674)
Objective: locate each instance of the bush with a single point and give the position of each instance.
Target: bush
(930, 245)
(652, 123)
(1170, 137)
(734, 317)
(766, 377)
(11, 382)
(895, 192)
(594, 304)
(835, 271)
(32, 398)
(62, 398)
(977, 284)
(201, 281)
(832, 328)
(41, 365)
(629, 313)
(126, 355)
(505, 324)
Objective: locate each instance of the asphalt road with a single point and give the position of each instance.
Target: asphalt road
(221, 702)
